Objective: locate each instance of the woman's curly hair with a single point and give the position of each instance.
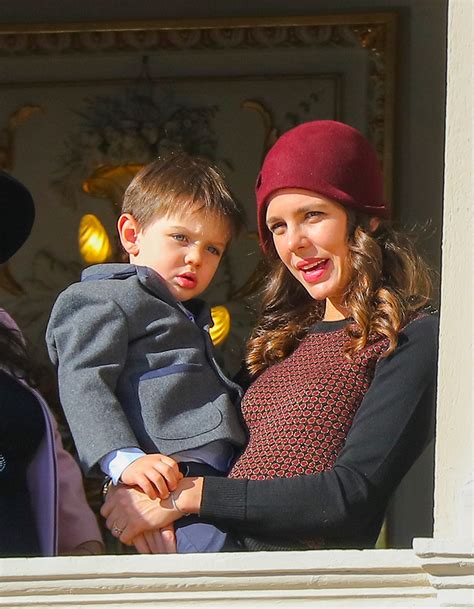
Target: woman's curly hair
(14, 356)
(389, 283)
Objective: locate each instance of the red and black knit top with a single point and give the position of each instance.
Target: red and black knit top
(299, 411)
(330, 440)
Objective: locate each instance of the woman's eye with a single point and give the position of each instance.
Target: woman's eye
(276, 228)
(314, 214)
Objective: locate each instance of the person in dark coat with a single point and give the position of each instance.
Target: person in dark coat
(42, 501)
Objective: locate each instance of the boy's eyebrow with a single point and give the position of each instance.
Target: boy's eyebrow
(178, 227)
(186, 229)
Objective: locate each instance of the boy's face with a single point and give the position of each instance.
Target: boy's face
(184, 249)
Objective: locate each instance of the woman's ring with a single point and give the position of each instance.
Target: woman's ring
(116, 530)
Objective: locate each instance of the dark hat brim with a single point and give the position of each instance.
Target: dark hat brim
(18, 215)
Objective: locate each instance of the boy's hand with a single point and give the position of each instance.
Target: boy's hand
(156, 475)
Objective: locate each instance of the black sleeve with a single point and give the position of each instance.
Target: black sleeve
(388, 433)
(22, 428)
(243, 377)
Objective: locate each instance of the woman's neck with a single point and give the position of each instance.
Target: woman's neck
(334, 311)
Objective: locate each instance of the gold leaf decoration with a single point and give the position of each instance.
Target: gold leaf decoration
(8, 133)
(8, 282)
(111, 181)
(94, 242)
(270, 131)
(221, 318)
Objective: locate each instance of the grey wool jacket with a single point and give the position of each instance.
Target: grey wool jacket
(136, 368)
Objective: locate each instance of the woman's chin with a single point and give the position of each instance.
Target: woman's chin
(320, 291)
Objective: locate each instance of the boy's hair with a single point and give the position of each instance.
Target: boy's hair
(179, 182)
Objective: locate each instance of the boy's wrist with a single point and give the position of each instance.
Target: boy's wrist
(116, 462)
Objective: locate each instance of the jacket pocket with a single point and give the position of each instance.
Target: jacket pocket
(176, 403)
(173, 369)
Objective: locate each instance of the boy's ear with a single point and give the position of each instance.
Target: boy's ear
(128, 230)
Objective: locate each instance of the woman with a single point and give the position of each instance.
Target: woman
(343, 362)
(42, 502)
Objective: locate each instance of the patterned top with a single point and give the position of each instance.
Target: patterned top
(300, 410)
(342, 506)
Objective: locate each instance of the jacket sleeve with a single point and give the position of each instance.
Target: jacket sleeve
(77, 523)
(87, 339)
(389, 431)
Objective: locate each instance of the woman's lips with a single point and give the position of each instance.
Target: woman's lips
(313, 272)
(187, 280)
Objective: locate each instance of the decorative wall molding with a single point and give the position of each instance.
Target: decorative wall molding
(373, 30)
(450, 566)
(374, 33)
(343, 578)
(436, 574)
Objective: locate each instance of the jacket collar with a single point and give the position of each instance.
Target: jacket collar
(196, 310)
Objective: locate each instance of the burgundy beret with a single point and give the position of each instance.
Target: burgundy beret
(326, 157)
(18, 214)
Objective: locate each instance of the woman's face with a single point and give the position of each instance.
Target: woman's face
(310, 236)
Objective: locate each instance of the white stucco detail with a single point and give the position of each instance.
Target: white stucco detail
(435, 575)
(368, 578)
(455, 421)
(449, 556)
(450, 565)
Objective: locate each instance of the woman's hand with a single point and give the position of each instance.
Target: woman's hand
(156, 542)
(86, 547)
(129, 513)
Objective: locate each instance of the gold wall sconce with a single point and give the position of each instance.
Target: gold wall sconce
(221, 318)
(94, 242)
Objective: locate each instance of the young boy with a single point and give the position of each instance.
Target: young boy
(137, 377)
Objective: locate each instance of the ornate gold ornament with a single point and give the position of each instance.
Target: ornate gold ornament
(7, 134)
(221, 328)
(94, 243)
(110, 182)
(8, 282)
(270, 131)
